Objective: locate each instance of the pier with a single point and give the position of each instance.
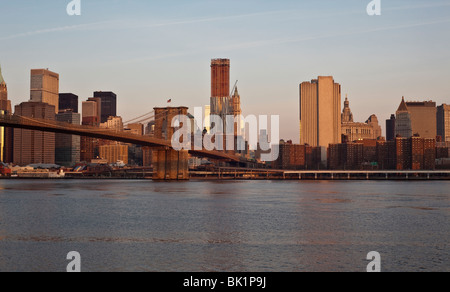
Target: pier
(230, 173)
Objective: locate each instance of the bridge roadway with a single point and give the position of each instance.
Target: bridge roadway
(20, 122)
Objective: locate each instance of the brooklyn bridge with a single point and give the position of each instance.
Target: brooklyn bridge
(168, 163)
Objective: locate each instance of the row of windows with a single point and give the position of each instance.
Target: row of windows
(359, 131)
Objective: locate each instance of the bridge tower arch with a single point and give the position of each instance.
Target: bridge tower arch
(169, 164)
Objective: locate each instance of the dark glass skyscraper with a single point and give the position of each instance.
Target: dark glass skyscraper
(108, 104)
(390, 128)
(68, 101)
(67, 146)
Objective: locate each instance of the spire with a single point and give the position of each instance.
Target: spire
(402, 107)
(347, 116)
(1, 76)
(346, 103)
(236, 93)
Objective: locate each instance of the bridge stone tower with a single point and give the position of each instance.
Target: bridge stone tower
(169, 164)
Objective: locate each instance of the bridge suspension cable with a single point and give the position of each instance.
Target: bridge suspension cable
(150, 114)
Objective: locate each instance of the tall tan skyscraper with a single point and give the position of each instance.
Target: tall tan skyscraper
(90, 117)
(320, 112)
(45, 87)
(423, 118)
(30, 146)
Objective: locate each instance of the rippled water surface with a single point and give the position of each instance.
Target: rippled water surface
(123, 225)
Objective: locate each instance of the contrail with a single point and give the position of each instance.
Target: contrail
(51, 30)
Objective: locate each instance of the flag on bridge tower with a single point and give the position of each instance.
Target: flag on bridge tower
(169, 101)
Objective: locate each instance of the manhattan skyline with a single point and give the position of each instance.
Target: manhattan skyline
(149, 51)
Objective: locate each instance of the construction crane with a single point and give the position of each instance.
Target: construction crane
(234, 88)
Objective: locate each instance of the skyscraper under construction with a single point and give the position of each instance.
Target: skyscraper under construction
(220, 87)
(223, 102)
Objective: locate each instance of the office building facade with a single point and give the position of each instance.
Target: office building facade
(45, 87)
(354, 131)
(68, 101)
(67, 147)
(90, 117)
(320, 112)
(30, 146)
(423, 118)
(443, 122)
(390, 128)
(403, 124)
(114, 153)
(108, 106)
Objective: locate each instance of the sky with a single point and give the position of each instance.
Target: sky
(150, 51)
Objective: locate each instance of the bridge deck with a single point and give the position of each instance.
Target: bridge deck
(20, 122)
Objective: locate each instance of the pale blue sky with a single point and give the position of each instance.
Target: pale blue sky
(150, 51)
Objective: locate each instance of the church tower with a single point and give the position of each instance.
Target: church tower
(347, 116)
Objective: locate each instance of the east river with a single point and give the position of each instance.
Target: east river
(238, 226)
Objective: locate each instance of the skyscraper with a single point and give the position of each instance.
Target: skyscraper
(220, 87)
(403, 125)
(220, 78)
(30, 146)
(67, 146)
(223, 103)
(375, 124)
(97, 100)
(45, 87)
(443, 122)
(90, 112)
(68, 101)
(90, 117)
(390, 128)
(320, 112)
(108, 104)
(423, 118)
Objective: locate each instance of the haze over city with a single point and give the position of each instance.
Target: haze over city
(150, 51)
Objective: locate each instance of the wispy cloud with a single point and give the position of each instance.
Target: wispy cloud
(261, 43)
(202, 19)
(120, 24)
(54, 30)
(279, 41)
